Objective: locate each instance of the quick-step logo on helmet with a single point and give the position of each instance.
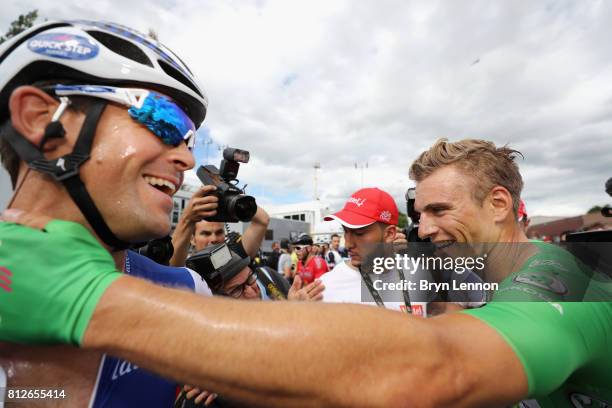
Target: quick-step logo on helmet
(5, 279)
(64, 46)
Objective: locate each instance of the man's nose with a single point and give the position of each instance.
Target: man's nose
(427, 227)
(349, 241)
(250, 291)
(182, 157)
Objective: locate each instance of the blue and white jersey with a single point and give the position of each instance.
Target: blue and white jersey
(123, 384)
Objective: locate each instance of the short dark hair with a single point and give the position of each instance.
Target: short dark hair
(8, 156)
(335, 236)
(284, 244)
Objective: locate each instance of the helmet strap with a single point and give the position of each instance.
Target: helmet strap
(66, 168)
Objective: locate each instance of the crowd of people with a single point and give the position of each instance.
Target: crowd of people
(96, 124)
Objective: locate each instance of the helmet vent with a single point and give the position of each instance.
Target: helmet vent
(121, 47)
(176, 74)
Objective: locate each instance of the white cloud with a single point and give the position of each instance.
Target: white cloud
(339, 82)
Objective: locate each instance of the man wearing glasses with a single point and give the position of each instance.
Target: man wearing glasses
(310, 266)
(238, 280)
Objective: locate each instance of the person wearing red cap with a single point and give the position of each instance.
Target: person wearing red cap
(369, 217)
(532, 340)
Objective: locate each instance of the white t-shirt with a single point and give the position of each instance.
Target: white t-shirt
(283, 261)
(343, 285)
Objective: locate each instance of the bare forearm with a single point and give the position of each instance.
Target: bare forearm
(181, 240)
(255, 233)
(346, 355)
(223, 345)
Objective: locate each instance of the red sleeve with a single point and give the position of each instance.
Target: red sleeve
(324, 268)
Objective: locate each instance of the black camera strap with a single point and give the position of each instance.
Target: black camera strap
(379, 302)
(274, 291)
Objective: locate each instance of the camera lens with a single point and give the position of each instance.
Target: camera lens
(242, 207)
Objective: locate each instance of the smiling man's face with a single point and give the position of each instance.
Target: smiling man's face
(132, 176)
(449, 212)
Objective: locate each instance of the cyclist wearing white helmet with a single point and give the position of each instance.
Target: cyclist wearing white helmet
(109, 114)
(537, 338)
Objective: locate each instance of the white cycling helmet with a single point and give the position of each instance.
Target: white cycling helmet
(95, 52)
(101, 57)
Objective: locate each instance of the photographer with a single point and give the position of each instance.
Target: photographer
(220, 191)
(237, 278)
(556, 350)
(192, 229)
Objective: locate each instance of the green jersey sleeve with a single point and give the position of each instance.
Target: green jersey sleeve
(50, 282)
(556, 315)
(552, 340)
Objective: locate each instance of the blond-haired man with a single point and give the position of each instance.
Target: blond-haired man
(467, 192)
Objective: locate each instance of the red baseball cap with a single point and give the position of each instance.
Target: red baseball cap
(365, 207)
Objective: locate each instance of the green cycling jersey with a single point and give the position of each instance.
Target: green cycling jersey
(557, 317)
(50, 282)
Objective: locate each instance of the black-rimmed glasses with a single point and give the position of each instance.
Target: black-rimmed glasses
(239, 290)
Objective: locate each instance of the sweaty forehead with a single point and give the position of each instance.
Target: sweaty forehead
(445, 185)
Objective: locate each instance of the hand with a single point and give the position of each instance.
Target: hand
(203, 204)
(311, 292)
(400, 238)
(400, 242)
(206, 396)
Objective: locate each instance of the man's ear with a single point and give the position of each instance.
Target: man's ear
(500, 200)
(389, 234)
(31, 111)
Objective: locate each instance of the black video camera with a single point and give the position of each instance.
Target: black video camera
(412, 231)
(234, 205)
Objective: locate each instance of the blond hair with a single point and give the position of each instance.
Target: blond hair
(486, 164)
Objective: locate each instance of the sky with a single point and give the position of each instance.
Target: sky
(361, 88)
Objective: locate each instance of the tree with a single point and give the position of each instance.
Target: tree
(594, 209)
(23, 22)
(402, 221)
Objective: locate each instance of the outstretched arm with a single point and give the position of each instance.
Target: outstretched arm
(349, 355)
